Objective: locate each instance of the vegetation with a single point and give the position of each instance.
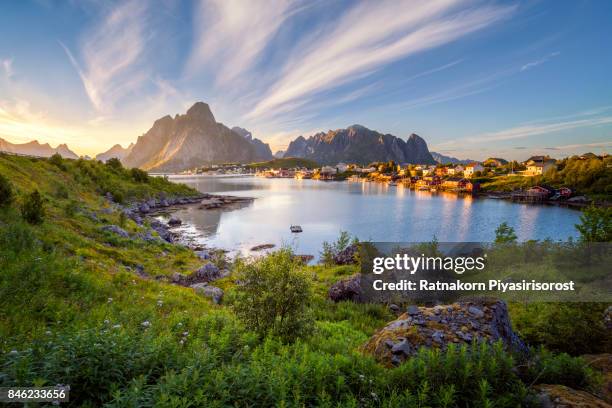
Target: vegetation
(331, 250)
(6, 191)
(274, 296)
(596, 224)
(32, 208)
(74, 311)
(504, 234)
(285, 163)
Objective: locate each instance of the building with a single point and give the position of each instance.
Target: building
(537, 168)
(471, 169)
(342, 167)
(495, 162)
(441, 171)
(541, 191)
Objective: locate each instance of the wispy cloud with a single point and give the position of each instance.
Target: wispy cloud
(231, 34)
(520, 132)
(369, 36)
(535, 63)
(7, 67)
(110, 53)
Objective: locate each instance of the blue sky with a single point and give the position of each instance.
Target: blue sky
(474, 78)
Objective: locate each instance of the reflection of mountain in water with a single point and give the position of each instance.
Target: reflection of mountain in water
(204, 223)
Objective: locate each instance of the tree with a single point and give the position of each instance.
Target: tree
(6, 191)
(504, 234)
(274, 296)
(596, 225)
(139, 176)
(33, 209)
(114, 163)
(58, 161)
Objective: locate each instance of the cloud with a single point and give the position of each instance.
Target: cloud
(369, 36)
(520, 132)
(535, 63)
(110, 54)
(7, 67)
(231, 34)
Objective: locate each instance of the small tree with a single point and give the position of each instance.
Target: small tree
(596, 225)
(331, 250)
(33, 209)
(114, 163)
(139, 176)
(58, 161)
(504, 234)
(274, 296)
(6, 191)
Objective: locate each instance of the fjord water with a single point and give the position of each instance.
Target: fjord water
(370, 211)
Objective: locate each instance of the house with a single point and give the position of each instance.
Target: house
(342, 167)
(538, 165)
(327, 170)
(441, 171)
(541, 191)
(565, 192)
(454, 183)
(471, 169)
(495, 162)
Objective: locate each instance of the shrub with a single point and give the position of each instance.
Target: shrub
(58, 161)
(504, 234)
(274, 295)
(6, 191)
(331, 250)
(33, 209)
(114, 163)
(596, 225)
(139, 176)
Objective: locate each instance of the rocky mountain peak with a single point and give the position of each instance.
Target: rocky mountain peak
(201, 111)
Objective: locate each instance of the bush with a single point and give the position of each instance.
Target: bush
(504, 234)
(58, 161)
(274, 296)
(139, 176)
(6, 191)
(114, 163)
(33, 209)
(331, 250)
(596, 225)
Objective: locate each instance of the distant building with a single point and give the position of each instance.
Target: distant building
(472, 168)
(328, 170)
(538, 165)
(342, 167)
(495, 162)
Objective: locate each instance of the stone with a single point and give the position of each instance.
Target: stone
(207, 273)
(115, 229)
(144, 208)
(213, 292)
(418, 326)
(347, 289)
(178, 278)
(476, 312)
(412, 310)
(348, 256)
(403, 347)
(560, 396)
(202, 254)
(174, 222)
(394, 308)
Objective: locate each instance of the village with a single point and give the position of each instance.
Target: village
(494, 177)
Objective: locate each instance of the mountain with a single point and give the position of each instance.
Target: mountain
(442, 159)
(190, 140)
(279, 154)
(263, 149)
(116, 151)
(34, 148)
(358, 144)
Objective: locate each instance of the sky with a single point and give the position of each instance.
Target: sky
(474, 78)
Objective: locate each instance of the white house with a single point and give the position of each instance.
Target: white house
(342, 167)
(328, 170)
(472, 168)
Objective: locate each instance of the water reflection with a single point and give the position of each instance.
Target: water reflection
(368, 210)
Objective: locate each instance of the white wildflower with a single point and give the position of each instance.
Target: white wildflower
(146, 323)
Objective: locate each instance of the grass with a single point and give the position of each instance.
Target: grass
(73, 311)
(285, 163)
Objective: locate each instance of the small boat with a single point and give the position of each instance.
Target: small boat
(295, 228)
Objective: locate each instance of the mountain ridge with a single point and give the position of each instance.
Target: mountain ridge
(358, 144)
(34, 148)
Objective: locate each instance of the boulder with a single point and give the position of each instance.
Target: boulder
(207, 273)
(144, 208)
(203, 254)
(560, 396)
(439, 326)
(174, 222)
(213, 292)
(115, 229)
(348, 256)
(178, 278)
(347, 289)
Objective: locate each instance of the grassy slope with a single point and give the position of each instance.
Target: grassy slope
(73, 312)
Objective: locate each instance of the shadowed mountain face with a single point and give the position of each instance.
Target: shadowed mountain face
(187, 141)
(442, 159)
(262, 149)
(358, 144)
(36, 149)
(116, 151)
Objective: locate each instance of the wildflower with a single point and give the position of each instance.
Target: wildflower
(179, 324)
(160, 303)
(185, 333)
(373, 394)
(146, 323)
(116, 326)
(106, 321)
(110, 300)
(48, 332)
(13, 353)
(182, 342)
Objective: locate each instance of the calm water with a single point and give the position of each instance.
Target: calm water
(371, 211)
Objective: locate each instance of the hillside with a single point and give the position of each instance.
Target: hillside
(358, 144)
(84, 305)
(117, 152)
(187, 141)
(285, 163)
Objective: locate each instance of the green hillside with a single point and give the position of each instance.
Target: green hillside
(80, 305)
